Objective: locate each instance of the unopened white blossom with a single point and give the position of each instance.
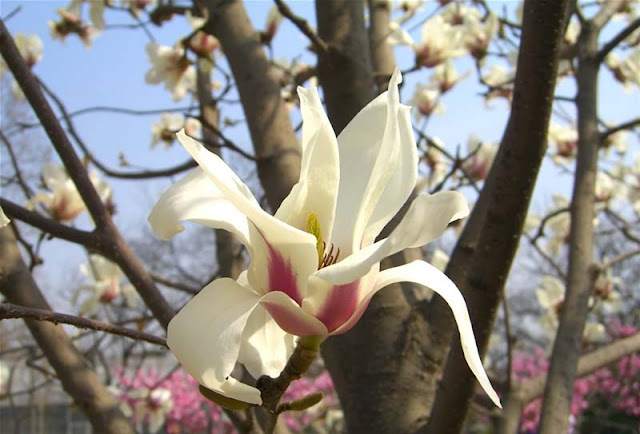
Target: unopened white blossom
(274, 18)
(70, 23)
(500, 81)
(445, 76)
(627, 70)
(477, 34)
(151, 407)
(96, 11)
(564, 140)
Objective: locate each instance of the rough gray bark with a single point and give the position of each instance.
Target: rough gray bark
(503, 205)
(82, 385)
(275, 144)
(582, 271)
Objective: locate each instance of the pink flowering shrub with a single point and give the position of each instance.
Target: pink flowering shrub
(611, 393)
(191, 412)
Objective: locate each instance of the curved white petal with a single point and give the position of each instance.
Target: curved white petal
(196, 198)
(370, 143)
(285, 250)
(427, 275)
(427, 218)
(402, 182)
(53, 175)
(265, 346)
(317, 190)
(205, 336)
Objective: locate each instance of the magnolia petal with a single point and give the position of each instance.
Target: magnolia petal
(317, 190)
(427, 218)
(265, 346)
(427, 275)
(369, 142)
(402, 182)
(53, 175)
(291, 317)
(195, 198)
(206, 335)
(297, 248)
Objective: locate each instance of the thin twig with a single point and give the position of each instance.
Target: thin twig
(321, 47)
(9, 311)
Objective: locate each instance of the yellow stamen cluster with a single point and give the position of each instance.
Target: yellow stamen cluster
(324, 259)
(313, 227)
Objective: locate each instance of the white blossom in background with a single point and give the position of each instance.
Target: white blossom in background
(164, 131)
(500, 81)
(572, 32)
(425, 102)
(445, 76)
(30, 47)
(105, 277)
(5, 374)
(202, 43)
(438, 167)
(564, 140)
(605, 297)
(477, 34)
(618, 141)
(169, 65)
(439, 260)
(626, 71)
(151, 407)
(398, 35)
(4, 220)
(62, 200)
(71, 23)
(608, 188)
(440, 42)
(558, 225)
(274, 18)
(96, 11)
(477, 166)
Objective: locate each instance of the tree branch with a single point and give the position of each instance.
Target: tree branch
(320, 46)
(12, 311)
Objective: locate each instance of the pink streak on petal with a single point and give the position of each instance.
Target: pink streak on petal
(290, 322)
(340, 305)
(348, 325)
(281, 276)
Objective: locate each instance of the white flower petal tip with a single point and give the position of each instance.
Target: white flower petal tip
(427, 275)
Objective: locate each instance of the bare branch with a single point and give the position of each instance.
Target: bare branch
(12, 311)
(320, 46)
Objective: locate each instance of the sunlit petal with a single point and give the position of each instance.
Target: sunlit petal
(317, 190)
(291, 317)
(427, 275)
(427, 217)
(205, 336)
(196, 198)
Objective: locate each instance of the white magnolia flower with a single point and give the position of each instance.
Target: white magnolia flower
(151, 407)
(164, 131)
(315, 264)
(551, 297)
(477, 34)
(398, 35)
(558, 224)
(438, 166)
(500, 81)
(96, 11)
(626, 71)
(565, 142)
(440, 42)
(202, 43)
(30, 47)
(445, 76)
(70, 22)
(482, 155)
(4, 220)
(605, 295)
(171, 66)
(274, 18)
(63, 200)
(105, 277)
(425, 101)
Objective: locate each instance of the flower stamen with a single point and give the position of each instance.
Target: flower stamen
(328, 258)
